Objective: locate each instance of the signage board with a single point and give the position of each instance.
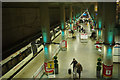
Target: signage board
(107, 71)
(84, 36)
(50, 65)
(63, 45)
(48, 70)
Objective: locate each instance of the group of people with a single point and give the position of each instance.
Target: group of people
(93, 35)
(80, 29)
(72, 32)
(77, 66)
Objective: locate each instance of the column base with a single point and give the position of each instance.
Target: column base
(107, 71)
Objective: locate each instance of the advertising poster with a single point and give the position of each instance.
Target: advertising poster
(107, 71)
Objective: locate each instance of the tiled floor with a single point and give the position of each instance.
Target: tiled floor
(85, 53)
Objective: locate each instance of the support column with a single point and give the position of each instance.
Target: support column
(80, 12)
(91, 10)
(117, 9)
(110, 20)
(95, 15)
(100, 12)
(103, 22)
(99, 20)
(62, 19)
(70, 16)
(45, 25)
(77, 12)
(74, 15)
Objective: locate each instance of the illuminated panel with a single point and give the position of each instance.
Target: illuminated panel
(95, 8)
(110, 37)
(100, 24)
(109, 52)
(45, 37)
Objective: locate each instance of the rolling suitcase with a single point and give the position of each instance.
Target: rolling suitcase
(69, 71)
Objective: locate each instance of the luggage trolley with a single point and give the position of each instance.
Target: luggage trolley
(83, 37)
(69, 34)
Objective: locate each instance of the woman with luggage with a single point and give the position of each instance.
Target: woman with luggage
(79, 69)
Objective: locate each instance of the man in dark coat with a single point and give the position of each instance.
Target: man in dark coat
(74, 62)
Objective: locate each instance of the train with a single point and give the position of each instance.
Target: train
(12, 64)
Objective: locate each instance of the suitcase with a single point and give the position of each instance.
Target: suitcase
(69, 71)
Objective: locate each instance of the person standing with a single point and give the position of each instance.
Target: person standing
(82, 29)
(74, 62)
(79, 69)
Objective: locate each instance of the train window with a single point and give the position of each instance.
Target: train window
(34, 48)
(14, 61)
(4, 69)
(56, 31)
(39, 45)
(28, 51)
(9, 64)
(24, 55)
(20, 57)
(0, 70)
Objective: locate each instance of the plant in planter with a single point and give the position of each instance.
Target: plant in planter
(98, 67)
(99, 59)
(56, 64)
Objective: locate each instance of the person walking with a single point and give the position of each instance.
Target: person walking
(74, 62)
(82, 29)
(79, 69)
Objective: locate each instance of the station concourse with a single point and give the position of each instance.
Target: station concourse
(47, 36)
